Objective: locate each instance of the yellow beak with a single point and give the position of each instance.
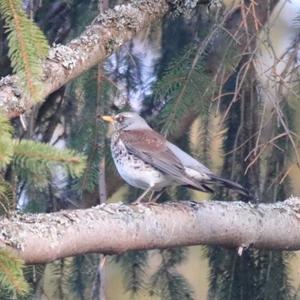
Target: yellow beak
(109, 119)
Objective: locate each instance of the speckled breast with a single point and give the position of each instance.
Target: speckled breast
(133, 170)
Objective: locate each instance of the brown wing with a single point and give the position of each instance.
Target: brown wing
(152, 148)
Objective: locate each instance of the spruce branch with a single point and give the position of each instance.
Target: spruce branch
(27, 46)
(6, 142)
(38, 157)
(167, 282)
(11, 273)
(84, 133)
(6, 197)
(185, 78)
(134, 265)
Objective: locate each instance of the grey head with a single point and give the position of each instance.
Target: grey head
(129, 121)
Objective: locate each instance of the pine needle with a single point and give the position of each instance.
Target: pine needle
(39, 158)
(11, 273)
(6, 144)
(27, 46)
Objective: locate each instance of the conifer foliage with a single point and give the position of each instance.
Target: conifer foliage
(33, 161)
(197, 81)
(30, 160)
(27, 46)
(11, 274)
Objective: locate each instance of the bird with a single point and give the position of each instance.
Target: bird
(147, 160)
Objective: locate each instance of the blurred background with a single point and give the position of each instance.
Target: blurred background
(221, 80)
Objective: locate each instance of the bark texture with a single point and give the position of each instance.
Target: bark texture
(106, 34)
(115, 228)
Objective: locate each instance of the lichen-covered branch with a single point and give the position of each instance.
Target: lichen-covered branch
(115, 228)
(106, 34)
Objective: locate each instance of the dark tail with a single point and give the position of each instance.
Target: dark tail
(204, 186)
(231, 185)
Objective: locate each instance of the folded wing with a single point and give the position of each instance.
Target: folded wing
(153, 148)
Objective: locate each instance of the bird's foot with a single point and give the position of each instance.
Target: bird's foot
(153, 198)
(139, 200)
(141, 197)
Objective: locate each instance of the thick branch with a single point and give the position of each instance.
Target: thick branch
(106, 34)
(115, 228)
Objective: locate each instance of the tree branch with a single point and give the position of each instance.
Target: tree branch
(106, 34)
(115, 228)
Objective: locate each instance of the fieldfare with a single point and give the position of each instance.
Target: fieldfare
(146, 160)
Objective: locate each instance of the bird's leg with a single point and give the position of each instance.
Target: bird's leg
(140, 198)
(159, 193)
(151, 196)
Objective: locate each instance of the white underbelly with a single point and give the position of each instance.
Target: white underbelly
(141, 175)
(135, 171)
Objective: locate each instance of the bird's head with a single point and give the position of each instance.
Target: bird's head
(126, 121)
